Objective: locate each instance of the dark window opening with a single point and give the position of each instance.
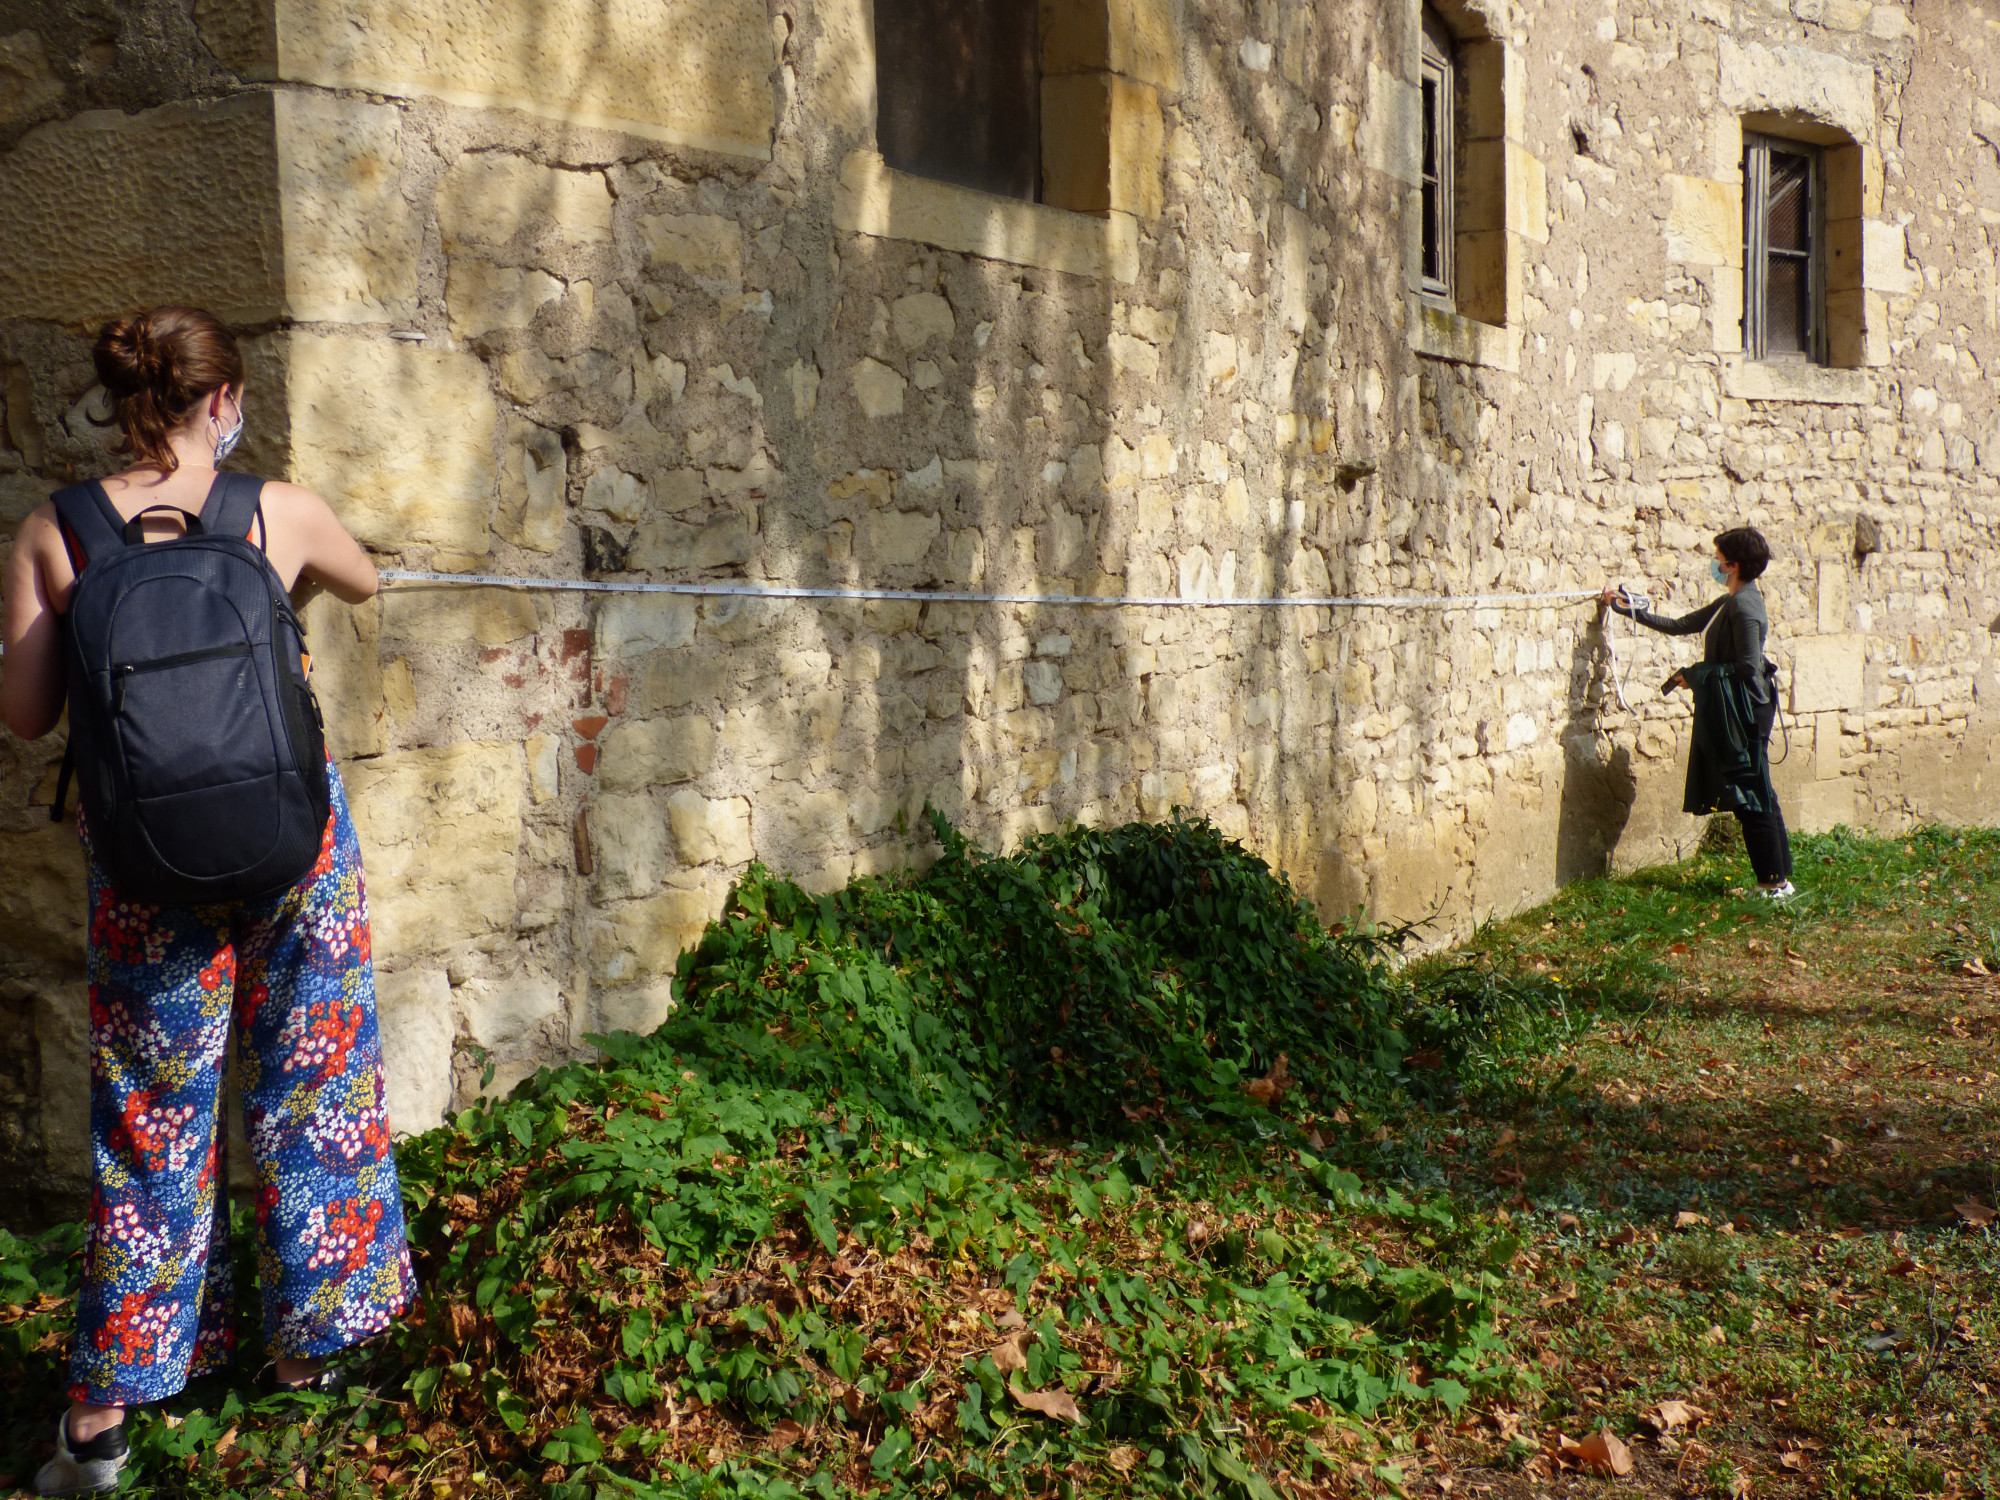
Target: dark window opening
(1784, 294)
(1438, 171)
(958, 87)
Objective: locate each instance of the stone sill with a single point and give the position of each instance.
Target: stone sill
(1442, 334)
(875, 199)
(1755, 380)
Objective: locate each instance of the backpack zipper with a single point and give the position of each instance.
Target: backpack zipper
(121, 676)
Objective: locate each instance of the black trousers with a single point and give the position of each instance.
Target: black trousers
(1764, 835)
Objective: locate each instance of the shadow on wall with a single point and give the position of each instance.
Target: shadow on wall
(1598, 788)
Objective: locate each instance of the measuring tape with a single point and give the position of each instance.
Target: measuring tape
(943, 596)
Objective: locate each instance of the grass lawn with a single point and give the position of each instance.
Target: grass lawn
(1755, 1181)
(1667, 1162)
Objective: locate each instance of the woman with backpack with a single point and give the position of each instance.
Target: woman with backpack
(224, 882)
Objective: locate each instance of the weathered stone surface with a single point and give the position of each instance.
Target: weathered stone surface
(872, 199)
(534, 480)
(42, 907)
(1800, 82)
(62, 1042)
(633, 949)
(693, 72)
(414, 1010)
(502, 1013)
(711, 830)
(921, 317)
(703, 245)
(489, 198)
(480, 296)
(407, 807)
(1138, 38)
(1704, 221)
(145, 232)
(629, 626)
(346, 675)
(897, 538)
(878, 388)
(628, 836)
(1827, 673)
(399, 438)
(721, 541)
(350, 242)
(27, 84)
(657, 752)
(454, 616)
(1103, 144)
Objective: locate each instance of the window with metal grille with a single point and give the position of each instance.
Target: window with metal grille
(958, 91)
(1784, 261)
(1440, 159)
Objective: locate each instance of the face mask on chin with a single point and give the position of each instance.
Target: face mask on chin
(225, 442)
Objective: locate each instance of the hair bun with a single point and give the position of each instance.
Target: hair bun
(156, 366)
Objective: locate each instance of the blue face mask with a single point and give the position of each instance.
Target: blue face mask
(1715, 572)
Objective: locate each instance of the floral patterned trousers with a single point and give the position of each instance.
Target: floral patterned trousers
(333, 1263)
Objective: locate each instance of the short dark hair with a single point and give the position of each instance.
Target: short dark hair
(1745, 546)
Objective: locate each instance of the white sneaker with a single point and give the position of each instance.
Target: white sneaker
(1784, 890)
(90, 1468)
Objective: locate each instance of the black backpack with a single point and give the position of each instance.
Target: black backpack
(197, 743)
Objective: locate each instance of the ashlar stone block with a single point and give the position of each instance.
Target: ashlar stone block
(1138, 38)
(465, 798)
(657, 752)
(480, 297)
(145, 232)
(350, 239)
(489, 197)
(1827, 673)
(1103, 144)
(399, 438)
(691, 72)
(414, 1011)
(711, 830)
(1704, 221)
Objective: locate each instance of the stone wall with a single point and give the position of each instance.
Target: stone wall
(624, 291)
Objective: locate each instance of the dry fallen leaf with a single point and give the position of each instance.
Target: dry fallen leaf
(786, 1433)
(1502, 1141)
(1058, 1404)
(1793, 1459)
(1670, 1416)
(1124, 1458)
(1715, 1335)
(1271, 1089)
(1975, 1213)
(1833, 1146)
(1739, 1484)
(1011, 1319)
(1901, 1268)
(1602, 1453)
(1011, 1353)
(1688, 1219)
(1627, 1236)
(1568, 1221)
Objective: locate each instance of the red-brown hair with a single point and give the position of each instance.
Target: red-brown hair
(156, 367)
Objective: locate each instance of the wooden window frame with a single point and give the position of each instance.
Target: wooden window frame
(1757, 153)
(1437, 170)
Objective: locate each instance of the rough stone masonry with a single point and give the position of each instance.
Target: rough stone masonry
(612, 289)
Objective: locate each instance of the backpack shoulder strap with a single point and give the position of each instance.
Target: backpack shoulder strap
(233, 505)
(90, 520)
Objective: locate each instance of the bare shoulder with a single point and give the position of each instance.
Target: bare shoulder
(282, 495)
(40, 532)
